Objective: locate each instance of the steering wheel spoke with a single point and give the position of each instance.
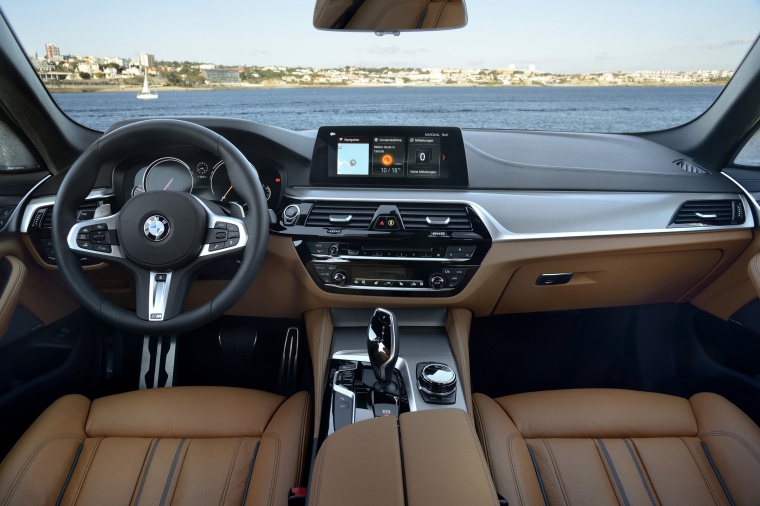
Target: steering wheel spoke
(160, 295)
(96, 238)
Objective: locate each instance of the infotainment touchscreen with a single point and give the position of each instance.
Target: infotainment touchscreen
(406, 156)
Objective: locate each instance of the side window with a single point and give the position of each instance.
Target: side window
(15, 157)
(749, 155)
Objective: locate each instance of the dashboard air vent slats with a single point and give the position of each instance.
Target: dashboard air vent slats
(340, 214)
(435, 217)
(690, 167)
(709, 213)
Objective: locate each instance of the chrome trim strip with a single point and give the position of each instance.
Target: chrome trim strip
(38, 202)
(500, 234)
(388, 259)
(752, 202)
(158, 296)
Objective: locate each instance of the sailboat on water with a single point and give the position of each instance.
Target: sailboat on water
(146, 94)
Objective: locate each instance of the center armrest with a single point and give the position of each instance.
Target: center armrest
(432, 457)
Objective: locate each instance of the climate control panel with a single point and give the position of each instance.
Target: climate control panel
(405, 249)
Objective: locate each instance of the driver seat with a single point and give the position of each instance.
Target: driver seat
(197, 445)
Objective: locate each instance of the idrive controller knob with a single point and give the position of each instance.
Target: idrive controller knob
(438, 380)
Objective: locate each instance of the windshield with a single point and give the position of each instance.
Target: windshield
(587, 65)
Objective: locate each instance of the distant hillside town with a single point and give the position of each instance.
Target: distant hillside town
(63, 71)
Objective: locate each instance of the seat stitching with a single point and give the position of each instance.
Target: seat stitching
(86, 470)
(32, 458)
(486, 448)
(556, 471)
(644, 470)
(322, 457)
(479, 422)
(302, 441)
(168, 484)
(612, 468)
(514, 472)
(146, 469)
(701, 470)
(475, 440)
(640, 471)
(229, 471)
(706, 435)
(609, 478)
(276, 467)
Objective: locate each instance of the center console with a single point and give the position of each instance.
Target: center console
(398, 361)
(391, 246)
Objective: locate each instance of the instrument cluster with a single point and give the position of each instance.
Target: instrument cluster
(193, 171)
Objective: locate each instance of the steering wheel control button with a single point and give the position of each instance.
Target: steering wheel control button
(231, 243)
(84, 244)
(160, 278)
(215, 235)
(156, 228)
(102, 248)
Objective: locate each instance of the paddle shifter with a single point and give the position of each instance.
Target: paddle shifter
(382, 344)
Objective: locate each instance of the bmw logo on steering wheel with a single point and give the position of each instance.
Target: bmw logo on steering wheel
(156, 228)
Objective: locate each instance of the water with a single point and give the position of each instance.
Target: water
(581, 109)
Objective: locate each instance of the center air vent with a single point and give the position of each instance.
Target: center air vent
(341, 214)
(709, 213)
(435, 217)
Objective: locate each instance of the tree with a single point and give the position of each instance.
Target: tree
(85, 75)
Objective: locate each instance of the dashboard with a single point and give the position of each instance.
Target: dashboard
(192, 170)
(493, 221)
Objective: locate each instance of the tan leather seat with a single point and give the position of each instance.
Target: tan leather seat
(603, 446)
(182, 445)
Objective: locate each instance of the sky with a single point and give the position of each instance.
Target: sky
(554, 35)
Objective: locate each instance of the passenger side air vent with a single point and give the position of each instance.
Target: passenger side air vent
(690, 167)
(434, 217)
(341, 214)
(709, 213)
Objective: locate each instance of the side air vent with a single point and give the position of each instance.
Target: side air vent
(434, 217)
(690, 167)
(709, 213)
(341, 214)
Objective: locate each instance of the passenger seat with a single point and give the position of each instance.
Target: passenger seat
(603, 446)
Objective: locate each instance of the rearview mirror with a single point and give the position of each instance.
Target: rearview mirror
(389, 16)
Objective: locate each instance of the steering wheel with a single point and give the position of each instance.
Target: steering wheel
(163, 238)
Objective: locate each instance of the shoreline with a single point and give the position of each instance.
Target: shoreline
(77, 88)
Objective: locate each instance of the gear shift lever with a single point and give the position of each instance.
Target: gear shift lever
(382, 344)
